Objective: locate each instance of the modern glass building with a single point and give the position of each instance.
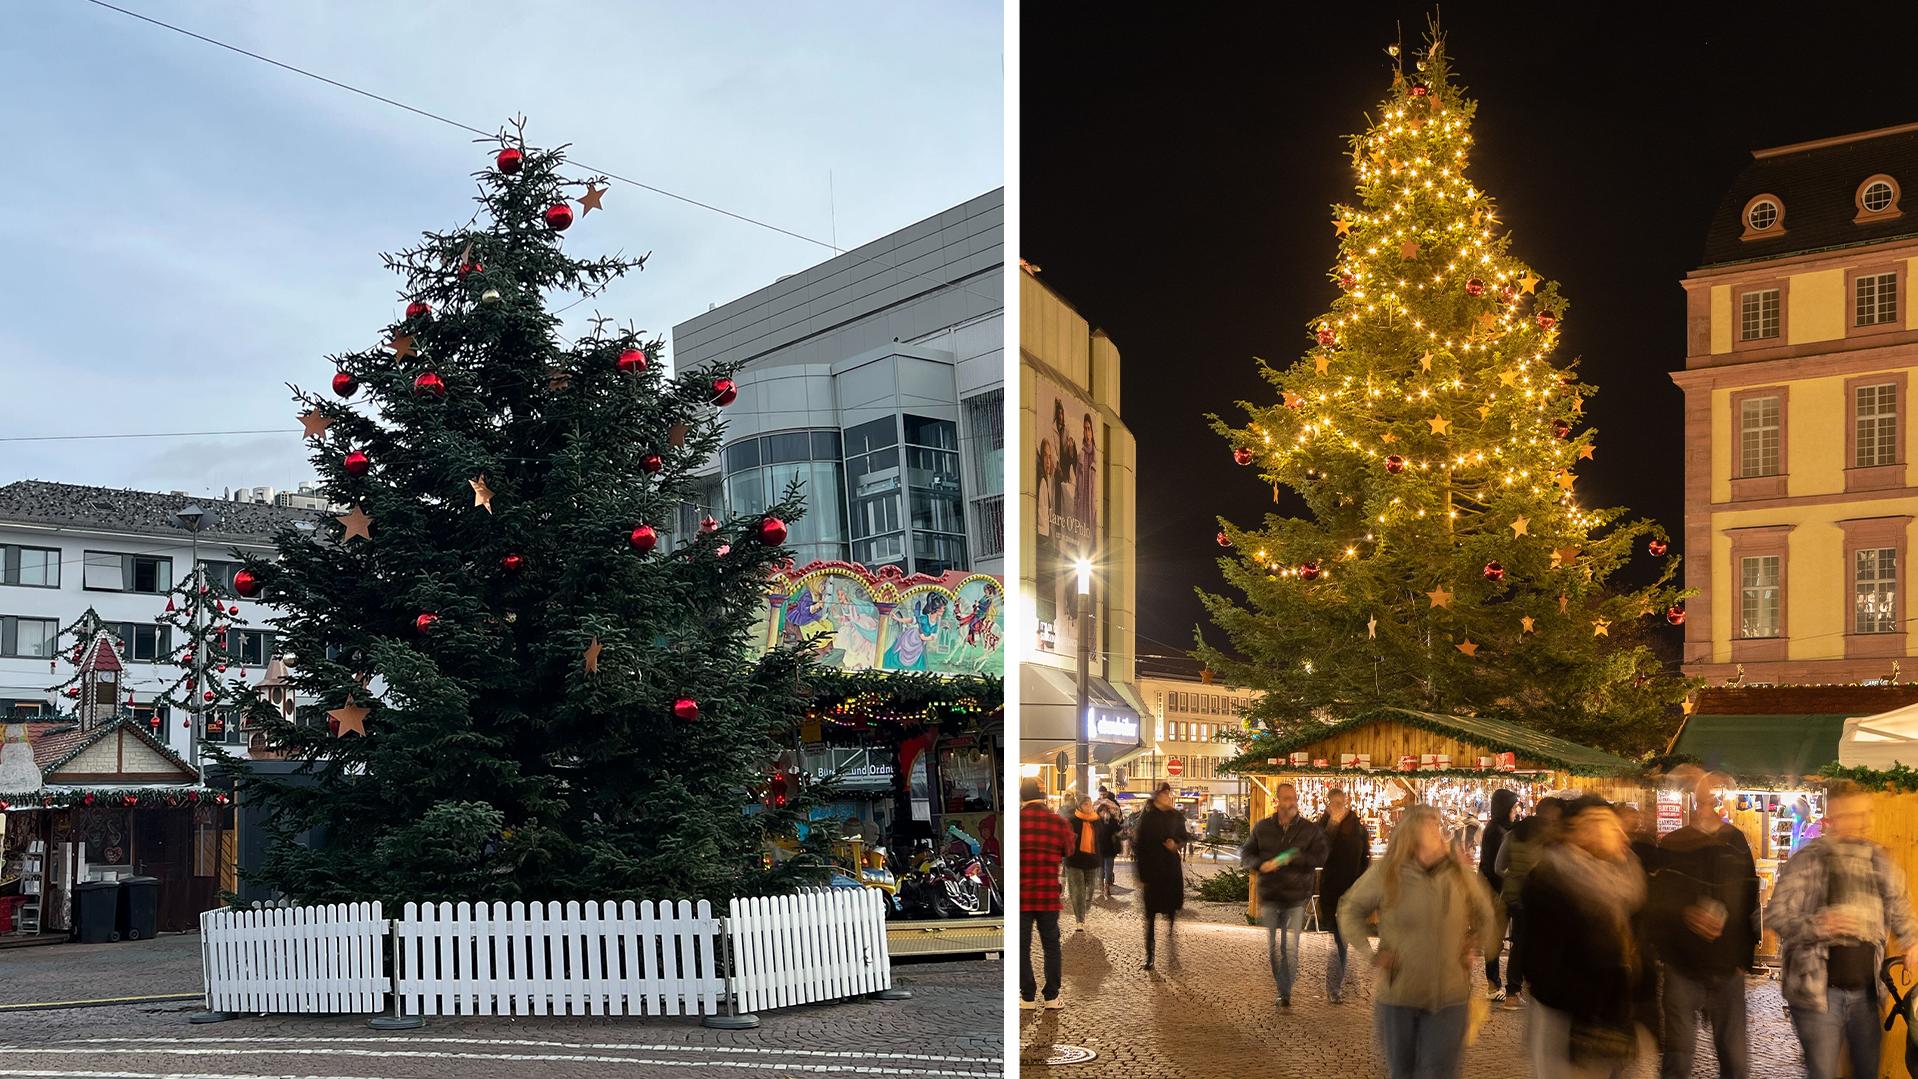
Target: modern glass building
(875, 382)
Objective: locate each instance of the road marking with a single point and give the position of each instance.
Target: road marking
(407, 1039)
(42, 1073)
(529, 1058)
(100, 1002)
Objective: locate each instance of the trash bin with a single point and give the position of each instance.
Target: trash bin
(139, 907)
(94, 905)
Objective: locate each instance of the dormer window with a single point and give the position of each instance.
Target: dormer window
(1764, 218)
(1876, 200)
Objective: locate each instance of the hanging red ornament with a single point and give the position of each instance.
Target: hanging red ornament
(1474, 287)
(708, 524)
(1546, 322)
(88, 799)
(1658, 547)
(1494, 570)
(1418, 91)
(1223, 539)
(169, 604)
(686, 708)
(723, 550)
(772, 531)
(429, 383)
(418, 309)
(632, 361)
(1347, 281)
(1308, 571)
(246, 583)
(235, 609)
(513, 562)
(643, 539)
(222, 668)
(356, 463)
(510, 160)
(471, 268)
(559, 217)
(1507, 293)
(652, 462)
(344, 384)
(1561, 429)
(204, 589)
(1675, 614)
(127, 799)
(209, 695)
(1326, 336)
(154, 721)
(1395, 464)
(426, 622)
(1242, 456)
(724, 392)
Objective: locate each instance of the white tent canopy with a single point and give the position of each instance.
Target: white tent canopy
(1881, 741)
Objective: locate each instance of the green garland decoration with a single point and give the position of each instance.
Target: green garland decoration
(114, 798)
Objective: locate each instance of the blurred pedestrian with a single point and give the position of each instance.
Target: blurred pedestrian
(1348, 851)
(1155, 857)
(1432, 911)
(1504, 804)
(1044, 842)
(1705, 897)
(1517, 854)
(1834, 900)
(1111, 842)
(1581, 958)
(1083, 862)
(1641, 837)
(1286, 849)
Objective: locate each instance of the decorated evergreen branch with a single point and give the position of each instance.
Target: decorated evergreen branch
(201, 621)
(1443, 560)
(520, 691)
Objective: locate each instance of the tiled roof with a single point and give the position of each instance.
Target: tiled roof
(56, 743)
(142, 512)
(1817, 186)
(1848, 700)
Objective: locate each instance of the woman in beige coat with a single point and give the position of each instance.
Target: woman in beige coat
(1432, 911)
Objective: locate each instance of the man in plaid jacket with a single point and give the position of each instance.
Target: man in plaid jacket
(1835, 899)
(1044, 842)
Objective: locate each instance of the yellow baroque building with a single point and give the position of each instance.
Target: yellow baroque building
(1800, 496)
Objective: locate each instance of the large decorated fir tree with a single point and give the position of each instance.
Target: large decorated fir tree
(1443, 560)
(521, 691)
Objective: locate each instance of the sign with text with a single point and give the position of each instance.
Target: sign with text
(1103, 726)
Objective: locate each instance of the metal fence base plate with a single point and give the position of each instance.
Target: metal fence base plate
(396, 1022)
(744, 1021)
(893, 994)
(211, 1017)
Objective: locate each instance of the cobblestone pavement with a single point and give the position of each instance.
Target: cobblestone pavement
(953, 1026)
(1216, 1012)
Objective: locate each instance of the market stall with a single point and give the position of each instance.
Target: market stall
(1883, 741)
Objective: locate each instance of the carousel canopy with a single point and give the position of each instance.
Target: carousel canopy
(1494, 735)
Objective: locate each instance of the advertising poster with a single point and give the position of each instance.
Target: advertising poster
(1069, 449)
(954, 624)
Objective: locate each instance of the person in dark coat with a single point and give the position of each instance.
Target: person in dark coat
(1156, 858)
(1111, 836)
(1348, 853)
(1504, 803)
(1704, 898)
(1285, 849)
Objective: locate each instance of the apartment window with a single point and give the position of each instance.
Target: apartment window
(985, 417)
(1875, 423)
(1875, 299)
(1758, 315)
(220, 575)
(1758, 596)
(1875, 590)
(109, 572)
(143, 643)
(251, 647)
(28, 638)
(1758, 436)
(37, 567)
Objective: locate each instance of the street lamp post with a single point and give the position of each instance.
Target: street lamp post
(192, 517)
(1082, 764)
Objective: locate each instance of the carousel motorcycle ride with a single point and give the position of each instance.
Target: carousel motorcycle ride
(949, 885)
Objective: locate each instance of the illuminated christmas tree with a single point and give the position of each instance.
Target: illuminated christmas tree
(1443, 560)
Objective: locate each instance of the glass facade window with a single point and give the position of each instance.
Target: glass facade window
(986, 428)
(760, 471)
(937, 497)
(875, 490)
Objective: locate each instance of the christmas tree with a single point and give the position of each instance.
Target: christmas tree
(1442, 560)
(519, 691)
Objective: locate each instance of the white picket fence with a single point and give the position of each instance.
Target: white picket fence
(611, 958)
(553, 959)
(295, 959)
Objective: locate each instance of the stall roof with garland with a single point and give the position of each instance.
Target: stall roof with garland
(57, 745)
(1762, 745)
(1498, 736)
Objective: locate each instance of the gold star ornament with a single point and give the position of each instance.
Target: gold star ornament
(482, 494)
(1320, 363)
(1467, 646)
(1564, 480)
(1425, 362)
(1601, 628)
(1564, 556)
(1519, 524)
(315, 423)
(1508, 377)
(1440, 597)
(1562, 601)
(356, 522)
(1343, 226)
(1528, 282)
(590, 200)
(1529, 623)
(1585, 453)
(1292, 400)
(1372, 627)
(1409, 249)
(350, 717)
(402, 346)
(592, 656)
(1440, 425)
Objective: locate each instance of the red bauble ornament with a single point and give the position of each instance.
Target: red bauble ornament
(643, 539)
(686, 708)
(652, 462)
(1347, 281)
(723, 550)
(559, 217)
(208, 695)
(429, 383)
(1418, 91)
(510, 160)
(1326, 336)
(1508, 294)
(221, 668)
(235, 609)
(154, 721)
(1658, 547)
(1474, 287)
(88, 800)
(356, 463)
(512, 563)
(418, 309)
(1546, 322)
(1395, 464)
(1561, 429)
(772, 531)
(707, 524)
(1675, 614)
(632, 361)
(344, 384)
(1308, 571)
(471, 267)
(724, 392)
(1494, 570)
(426, 622)
(1223, 539)
(1242, 456)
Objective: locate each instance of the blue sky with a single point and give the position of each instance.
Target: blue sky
(189, 230)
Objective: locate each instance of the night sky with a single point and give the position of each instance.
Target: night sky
(1177, 177)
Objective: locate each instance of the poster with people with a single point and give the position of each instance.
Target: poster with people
(1069, 450)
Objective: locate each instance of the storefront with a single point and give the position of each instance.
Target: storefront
(1048, 707)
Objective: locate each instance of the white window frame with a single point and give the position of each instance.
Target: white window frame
(1759, 431)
